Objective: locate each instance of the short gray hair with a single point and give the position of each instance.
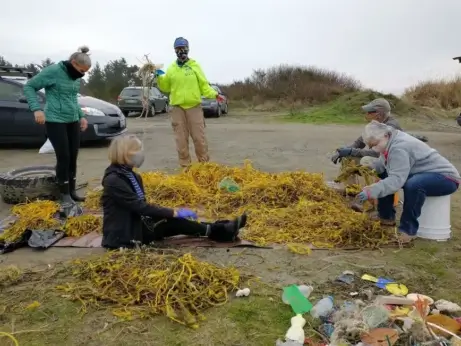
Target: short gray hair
(81, 56)
(375, 131)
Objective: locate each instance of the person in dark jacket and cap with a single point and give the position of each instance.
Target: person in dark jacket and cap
(129, 219)
(378, 110)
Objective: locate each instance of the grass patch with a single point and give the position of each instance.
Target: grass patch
(257, 320)
(346, 109)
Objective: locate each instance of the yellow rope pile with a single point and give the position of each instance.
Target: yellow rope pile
(287, 207)
(141, 283)
(37, 215)
(80, 225)
(41, 215)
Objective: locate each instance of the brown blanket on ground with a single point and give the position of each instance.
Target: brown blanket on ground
(94, 240)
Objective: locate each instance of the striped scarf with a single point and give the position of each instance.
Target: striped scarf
(128, 172)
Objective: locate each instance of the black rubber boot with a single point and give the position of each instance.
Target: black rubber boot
(227, 231)
(68, 207)
(65, 198)
(73, 192)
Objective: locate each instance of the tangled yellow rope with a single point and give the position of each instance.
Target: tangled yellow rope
(41, 215)
(141, 283)
(287, 207)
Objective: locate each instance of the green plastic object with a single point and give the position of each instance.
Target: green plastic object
(229, 185)
(299, 303)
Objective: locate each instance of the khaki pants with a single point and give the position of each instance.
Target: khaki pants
(189, 122)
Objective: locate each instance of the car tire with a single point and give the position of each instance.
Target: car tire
(165, 110)
(218, 113)
(126, 113)
(29, 183)
(226, 109)
(152, 111)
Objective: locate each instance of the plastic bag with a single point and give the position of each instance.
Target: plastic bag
(6, 247)
(44, 239)
(229, 185)
(47, 148)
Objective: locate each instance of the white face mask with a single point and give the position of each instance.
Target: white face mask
(137, 159)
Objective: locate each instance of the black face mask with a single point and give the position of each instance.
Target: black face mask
(72, 71)
(182, 54)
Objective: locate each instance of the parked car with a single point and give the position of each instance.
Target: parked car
(213, 107)
(130, 100)
(17, 123)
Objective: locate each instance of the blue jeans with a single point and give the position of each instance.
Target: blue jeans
(415, 190)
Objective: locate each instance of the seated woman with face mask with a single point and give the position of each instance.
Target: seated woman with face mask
(129, 219)
(408, 163)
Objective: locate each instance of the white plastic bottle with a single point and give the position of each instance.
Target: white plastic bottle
(323, 307)
(304, 289)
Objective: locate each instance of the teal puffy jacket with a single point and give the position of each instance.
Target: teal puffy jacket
(61, 94)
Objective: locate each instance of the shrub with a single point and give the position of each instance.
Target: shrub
(291, 84)
(445, 94)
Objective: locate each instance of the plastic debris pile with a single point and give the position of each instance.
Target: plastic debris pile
(398, 319)
(141, 283)
(284, 208)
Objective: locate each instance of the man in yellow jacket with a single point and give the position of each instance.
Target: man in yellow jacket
(186, 83)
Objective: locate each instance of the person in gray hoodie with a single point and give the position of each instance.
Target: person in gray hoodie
(408, 163)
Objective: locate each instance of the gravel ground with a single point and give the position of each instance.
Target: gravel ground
(271, 146)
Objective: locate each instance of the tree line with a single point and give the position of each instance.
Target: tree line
(103, 82)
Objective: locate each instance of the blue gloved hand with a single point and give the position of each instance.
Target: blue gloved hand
(340, 153)
(344, 152)
(184, 213)
(363, 196)
(159, 72)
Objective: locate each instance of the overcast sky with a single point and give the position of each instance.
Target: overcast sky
(387, 45)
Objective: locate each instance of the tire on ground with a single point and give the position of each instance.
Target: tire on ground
(29, 183)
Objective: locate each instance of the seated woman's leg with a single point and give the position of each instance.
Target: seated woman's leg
(225, 230)
(415, 190)
(386, 208)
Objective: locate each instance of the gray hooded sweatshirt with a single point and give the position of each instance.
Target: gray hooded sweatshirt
(406, 155)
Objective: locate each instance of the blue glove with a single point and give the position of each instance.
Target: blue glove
(159, 72)
(344, 152)
(362, 196)
(186, 214)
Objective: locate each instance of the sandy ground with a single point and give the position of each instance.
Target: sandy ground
(271, 147)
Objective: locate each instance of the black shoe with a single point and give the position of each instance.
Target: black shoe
(228, 232)
(73, 192)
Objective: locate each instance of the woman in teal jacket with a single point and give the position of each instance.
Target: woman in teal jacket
(62, 116)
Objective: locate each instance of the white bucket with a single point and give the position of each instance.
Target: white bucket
(434, 222)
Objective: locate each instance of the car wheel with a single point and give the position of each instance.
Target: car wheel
(226, 109)
(218, 112)
(29, 183)
(165, 110)
(152, 111)
(126, 113)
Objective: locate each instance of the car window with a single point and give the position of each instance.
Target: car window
(10, 92)
(156, 92)
(131, 92)
(215, 87)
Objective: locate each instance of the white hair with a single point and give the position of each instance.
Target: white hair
(375, 131)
